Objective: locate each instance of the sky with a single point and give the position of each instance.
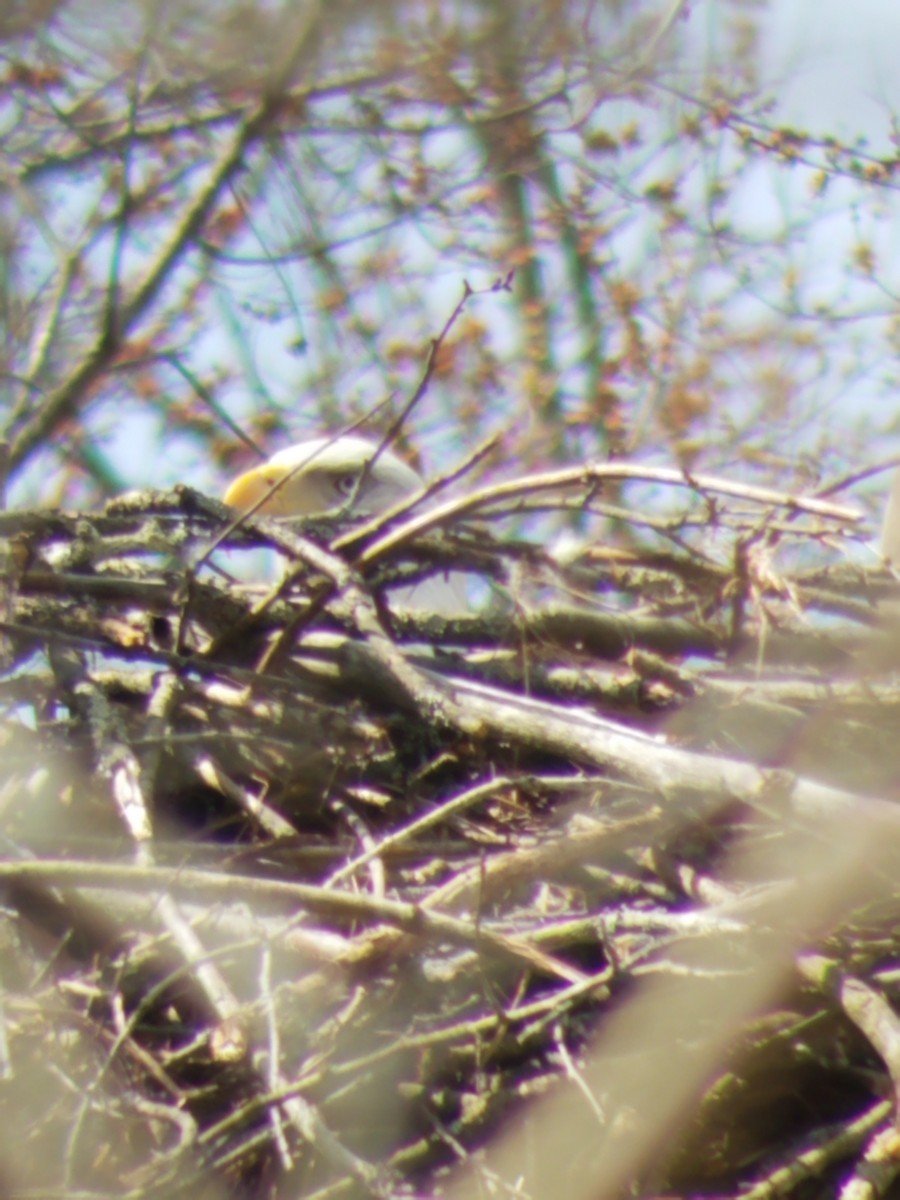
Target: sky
(831, 65)
(834, 65)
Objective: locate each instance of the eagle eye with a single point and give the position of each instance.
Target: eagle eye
(346, 484)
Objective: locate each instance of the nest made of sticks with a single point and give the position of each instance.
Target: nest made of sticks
(308, 895)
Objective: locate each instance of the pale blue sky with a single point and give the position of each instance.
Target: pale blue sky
(831, 65)
(834, 65)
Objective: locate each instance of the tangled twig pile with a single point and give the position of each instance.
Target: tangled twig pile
(307, 896)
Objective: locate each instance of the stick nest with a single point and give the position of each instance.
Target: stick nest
(589, 888)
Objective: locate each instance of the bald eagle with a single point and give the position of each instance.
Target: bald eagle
(325, 475)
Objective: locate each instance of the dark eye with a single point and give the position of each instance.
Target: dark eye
(346, 484)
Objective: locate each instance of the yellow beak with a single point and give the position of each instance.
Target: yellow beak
(251, 488)
(300, 495)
